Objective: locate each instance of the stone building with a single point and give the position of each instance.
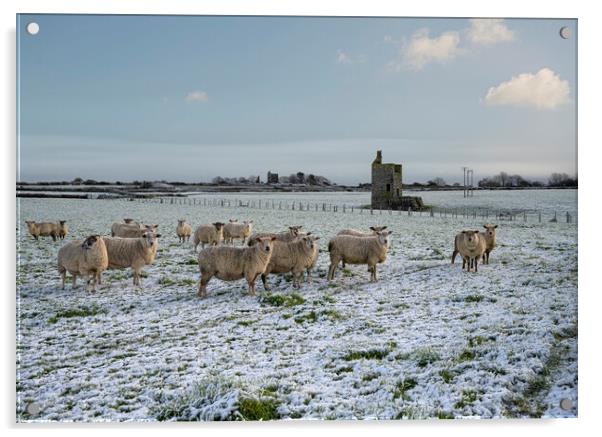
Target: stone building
(386, 184)
(272, 178)
(387, 187)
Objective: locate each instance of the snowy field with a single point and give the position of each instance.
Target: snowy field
(427, 341)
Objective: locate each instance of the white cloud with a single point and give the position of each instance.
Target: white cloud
(197, 96)
(421, 50)
(488, 31)
(343, 58)
(542, 90)
(346, 58)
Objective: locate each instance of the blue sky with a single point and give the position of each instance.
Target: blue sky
(190, 98)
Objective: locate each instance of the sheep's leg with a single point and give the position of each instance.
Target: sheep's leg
(99, 278)
(463, 262)
(454, 256)
(296, 279)
(136, 275)
(63, 277)
(251, 282)
(73, 281)
(487, 253)
(476, 262)
(265, 282)
(309, 281)
(331, 270)
(203, 285)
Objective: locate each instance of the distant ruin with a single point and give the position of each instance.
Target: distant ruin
(387, 188)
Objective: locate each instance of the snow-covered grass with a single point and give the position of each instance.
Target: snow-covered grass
(427, 341)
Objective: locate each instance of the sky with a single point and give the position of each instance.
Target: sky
(188, 98)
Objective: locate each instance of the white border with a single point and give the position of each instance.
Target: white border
(589, 140)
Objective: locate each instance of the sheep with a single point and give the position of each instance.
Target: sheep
(286, 236)
(212, 234)
(43, 229)
(132, 252)
(231, 263)
(233, 230)
(489, 236)
(295, 257)
(63, 229)
(131, 230)
(471, 246)
(370, 250)
(83, 258)
(130, 221)
(357, 233)
(183, 230)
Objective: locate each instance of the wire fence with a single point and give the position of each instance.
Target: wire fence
(513, 215)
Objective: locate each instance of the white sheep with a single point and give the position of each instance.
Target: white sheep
(132, 252)
(234, 230)
(295, 256)
(289, 235)
(490, 242)
(183, 230)
(212, 234)
(43, 229)
(232, 263)
(131, 230)
(83, 258)
(359, 250)
(356, 233)
(471, 247)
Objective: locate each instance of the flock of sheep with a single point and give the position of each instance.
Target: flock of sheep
(134, 245)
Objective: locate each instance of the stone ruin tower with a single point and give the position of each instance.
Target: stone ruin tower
(386, 184)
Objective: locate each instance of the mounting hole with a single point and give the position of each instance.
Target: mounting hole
(33, 28)
(565, 32)
(566, 404)
(33, 408)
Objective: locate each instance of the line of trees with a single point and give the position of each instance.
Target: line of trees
(506, 180)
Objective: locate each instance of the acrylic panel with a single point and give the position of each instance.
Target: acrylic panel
(274, 218)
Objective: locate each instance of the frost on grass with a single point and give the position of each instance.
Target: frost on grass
(426, 341)
(217, 399)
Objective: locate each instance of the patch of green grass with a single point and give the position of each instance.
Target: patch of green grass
(84, 311)
(187, 282)
(166, 280)
(370, 376)
(473, 298)
(563, 334)
(371, 354)
(467, 355)
(402, 387)
(445, 415)
(425, 357)
(190, 262)
(344, 369)
(446, 375)
(468, 398)
(308, 317)
(246, 322)
(279, 300)
(258, 409)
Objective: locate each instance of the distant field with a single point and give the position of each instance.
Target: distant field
(428, 340)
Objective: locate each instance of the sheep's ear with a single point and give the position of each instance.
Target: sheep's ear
(384, 227)
(464, 232)
(273, 239)
(316, 238)
(494, 226)
(372, 228)
(308, 234)
(485, 226)
(157, 235)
